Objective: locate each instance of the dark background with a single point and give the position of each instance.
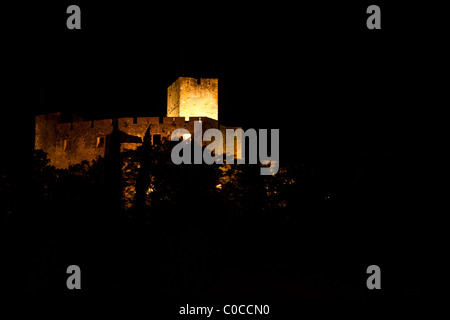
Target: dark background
(313, 70)
(337, 91)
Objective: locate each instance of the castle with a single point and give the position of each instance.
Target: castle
(71, 140)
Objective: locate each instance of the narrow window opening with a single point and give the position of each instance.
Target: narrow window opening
(100, 142)
(66, 145)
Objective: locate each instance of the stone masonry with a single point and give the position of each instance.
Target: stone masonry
(70, 140)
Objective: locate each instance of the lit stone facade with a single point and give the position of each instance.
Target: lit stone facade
(189, 97)
(69, 141)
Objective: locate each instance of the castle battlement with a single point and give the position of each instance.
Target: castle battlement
(191, 97)
(69, 139)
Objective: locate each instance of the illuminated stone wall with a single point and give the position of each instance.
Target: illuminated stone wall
(189, 97)
(72, 142)
(173, 99)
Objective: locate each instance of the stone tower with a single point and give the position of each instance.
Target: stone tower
(189, 97)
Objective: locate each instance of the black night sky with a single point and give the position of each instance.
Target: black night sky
(344, 97)
(315, 70)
